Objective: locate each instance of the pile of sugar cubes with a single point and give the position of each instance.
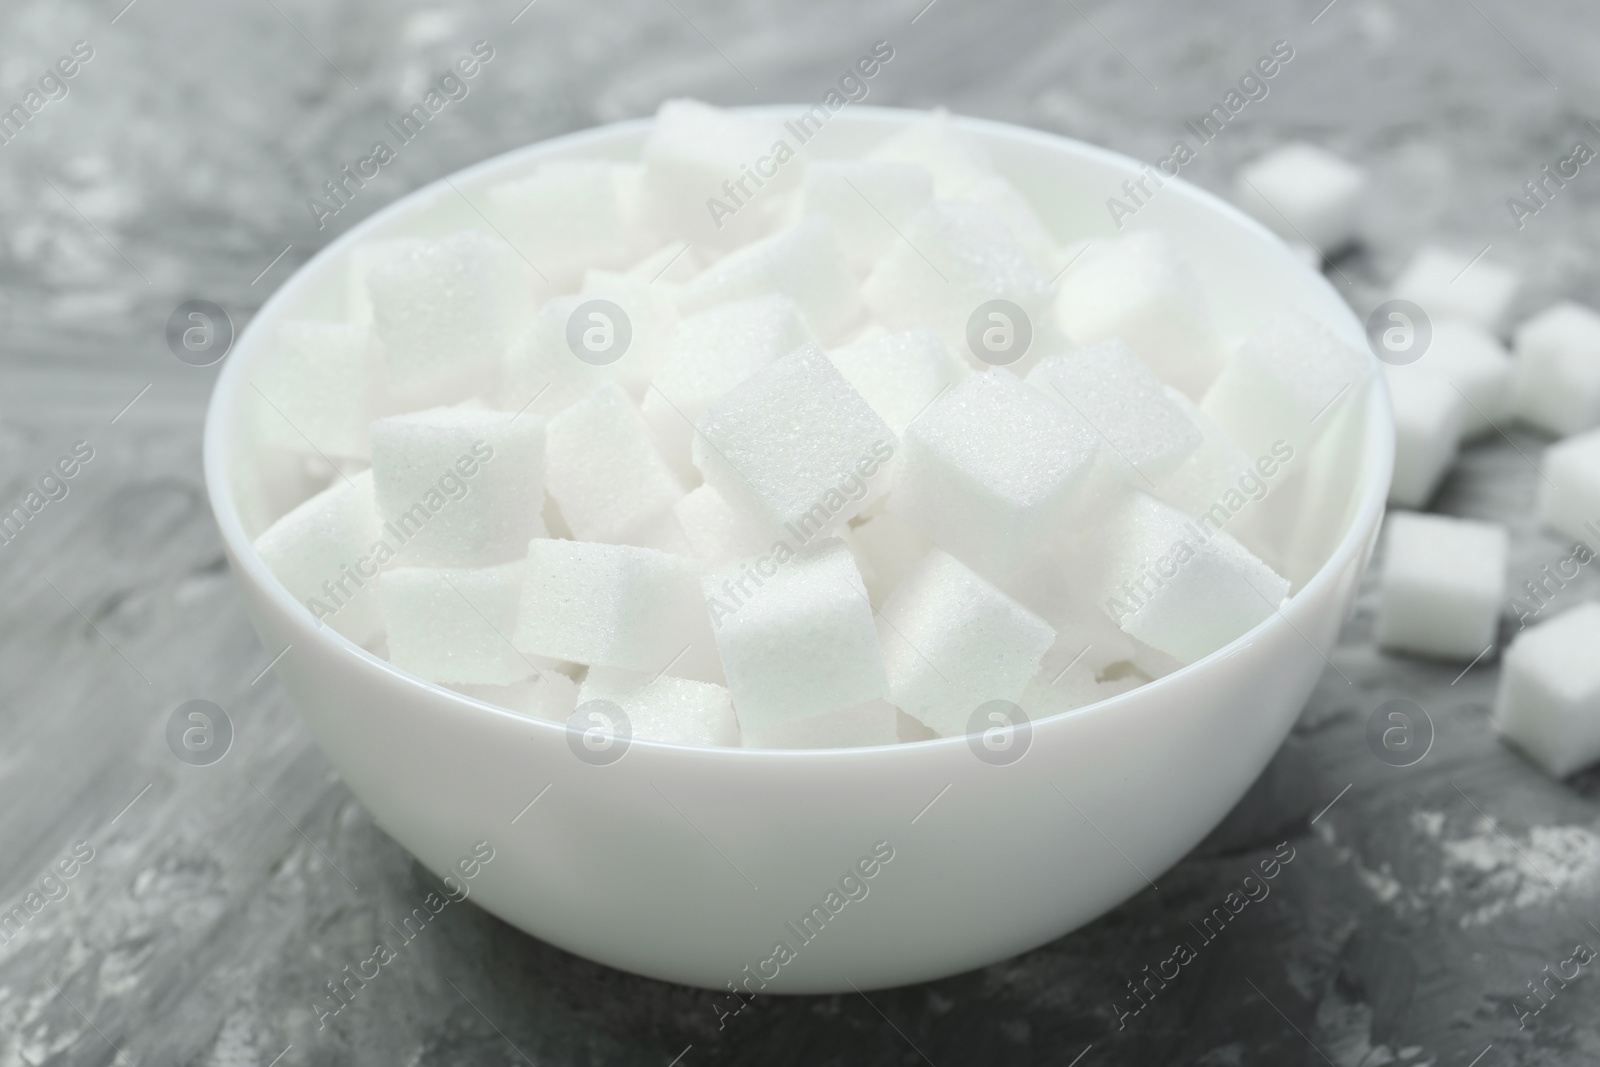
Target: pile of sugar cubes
(741, 470)
(1443, 586)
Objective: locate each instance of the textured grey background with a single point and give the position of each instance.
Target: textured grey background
(218, 904)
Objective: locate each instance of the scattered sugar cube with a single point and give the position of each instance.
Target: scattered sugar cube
(447, 311)
(604, 472)
(1557, 378)
(869, 204)
(795, 445)
(1144, 435)
(359, 262)
(872, 723)
(953, 157)
(1570, 501)
(609, 605)
(1304, 192)
(675, 711)
(565, 217)
(1443, 582)
(1140, 288)
(899, 374)
(886, 549)
(547, 695)
(990, 470)
(708, 355)
(1428, 418)
(796, 635)
(957, 256)
(1449, 284)
(1170, 582)
(454, 624)
(315, 389)
(952, 642)
(803, 262)
(716, 531)
(327, 552)
(1549, 700)
(1474, 361)
(459, 487)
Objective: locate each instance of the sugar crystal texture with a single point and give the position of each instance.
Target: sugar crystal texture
(322, 552)
(886, 548)
(315, 389)
(795, 445)
(716, 531)
(867, 203)
(952, 642)
(605, 473)
(1557, 379)
(1442, 585)
(1428, 418)
(1450, 284)
(566, 217)
(454, 625)
(899, 374)
(1548, 704)
(1569, 502)
(795, 634)
(1303, 192)
(671, 710)
(990, 470)
(461, 486)
(871, 723)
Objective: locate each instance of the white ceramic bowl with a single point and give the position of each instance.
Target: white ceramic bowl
(690, 864)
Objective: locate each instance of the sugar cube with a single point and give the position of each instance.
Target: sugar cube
(1086, 638)
(869, 204)
(1301, 191)
(1182, 588)
(359, 262)
(899, 374)
(565, 217)
(1284, 378)
(547, 695)
(648, 315)
(315, 389)
(990, 470)
(542, 375)
(956, 257)
(1549, 700)
(874, 722)
(323, 553)
(604, 471)
(670, 265)
(675, 711)
(795, 445)
(608, 605)
(1429, 415)
(716, 531)
(803, 262)
(461, 486)
(953, 642)
(1006, 202)
(447, 311)
(1211, 471)
(1557, 378)
(1450, 284)
(1443, 582)
(796, 635)
(454, 624)
(952, 156)
(1475, 362)
(886, 549)
(1569, 502)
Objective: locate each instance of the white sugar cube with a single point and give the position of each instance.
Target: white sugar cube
(1549, 700)
(1086, 638)
(886, 549)
(991, 470)
(1302, 192)
(952, 642)
(1475, 362)
(542, 373)
(796, 635)
(795, 445)
(1143, 434)
(1210, 472)
(804, 263)
(327, 552)
(1008, 203)
(1182, 588)
(1557, 379)
(869, 204)
(872, 723)
(1443, 582)
(716, 531)
(956, 257)
(1141, 289)
(1283, 381)
(565, 218)
(447, 312)
(708, 355)
(454, 625)
(670, 265)
(359, 262)
(1450, 284)
(703, 179)
(609, 605)
(675, 711)
(1570, 501)
(315, 389)
(899, 374)
(955, 160)
(459, 487)
(648, 315)
(604, 471)
(1428, 418)
(547, 695)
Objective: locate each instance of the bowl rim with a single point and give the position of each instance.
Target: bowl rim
(223, 409)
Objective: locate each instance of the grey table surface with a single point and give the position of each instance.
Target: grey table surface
(216, 902)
